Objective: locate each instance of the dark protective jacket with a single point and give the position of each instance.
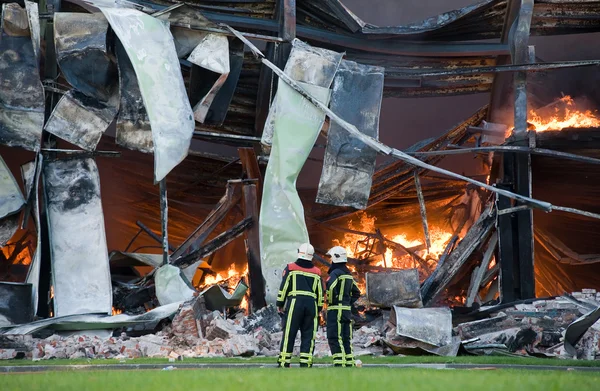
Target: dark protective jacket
(342, 290)
(301, 279)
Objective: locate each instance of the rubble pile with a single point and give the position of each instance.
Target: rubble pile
(540, 328)
(190, 335)
(562, 327)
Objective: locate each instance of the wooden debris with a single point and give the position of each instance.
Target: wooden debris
(214, 245)
(445, 274)
(257, 285)
(479, 273)
(229, 200)
(423, 210)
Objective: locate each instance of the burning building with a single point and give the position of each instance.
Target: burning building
(150, 154)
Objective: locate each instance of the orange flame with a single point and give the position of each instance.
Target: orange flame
(230, 275)
(222, 276)
(569, 117)
(357, 245)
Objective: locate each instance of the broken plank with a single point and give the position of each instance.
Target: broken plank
(228, 201)
(480, 272)
(217, 243)
(490, 275)
(255, 276)
(423, 209)
(444, 275)
(441, 260)
(251, 168)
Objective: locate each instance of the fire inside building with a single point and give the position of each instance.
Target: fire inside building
(150, 152)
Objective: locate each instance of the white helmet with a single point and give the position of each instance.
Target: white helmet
(338, 254)
(306, 251)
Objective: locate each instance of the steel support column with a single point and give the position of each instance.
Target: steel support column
(516, 229)
(277, 53)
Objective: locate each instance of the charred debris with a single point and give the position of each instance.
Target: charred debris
(121, 237)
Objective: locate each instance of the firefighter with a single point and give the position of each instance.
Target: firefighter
(300, 299)
(342, 292)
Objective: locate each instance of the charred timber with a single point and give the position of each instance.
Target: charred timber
(232, 196)
(153, 235)
(423, 210)
(427, 283)
(255, 275)
(251, 169)
(479, 272)
(446, 273)
(217, 243)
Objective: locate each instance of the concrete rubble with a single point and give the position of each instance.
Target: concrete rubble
(534, 328)
(190, 335)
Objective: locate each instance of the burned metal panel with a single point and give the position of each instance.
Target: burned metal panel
(429, 325)
(15, 303)
(396, 175)
(82, 120)
(256, 9)
(578, 328)
(28, 175)
(305, 64)
(554, 17)
(33, 274)
(11, 198)
(218, 298)
(81, 53)
(95, 322)
(11, 203)
(133, 124)
(398, 288)
(33, 15)
(186, 40)
(353, 22)
(171, 286)
(79, 254)
(121, 259)
(149, 45)
(8, 227)
(410, 347)
(221, 104)
(324, 20)
(22, 93)
(349, 163)
(468, 16)
(183, 15)
(295, 124)
(423, 77)
(211, 54)
(84, 113)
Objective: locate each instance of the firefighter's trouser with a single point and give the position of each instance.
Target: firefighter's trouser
(300, 314)
(339, 335)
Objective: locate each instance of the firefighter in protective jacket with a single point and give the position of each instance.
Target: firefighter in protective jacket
(301, 299)
(342, 292)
